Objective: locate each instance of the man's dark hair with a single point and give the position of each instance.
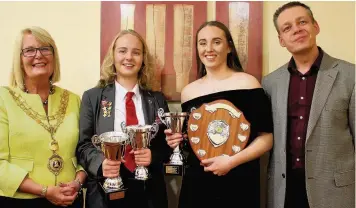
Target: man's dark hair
(288, 6)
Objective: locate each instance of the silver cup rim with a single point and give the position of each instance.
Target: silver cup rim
(139, 128)
(175, 114)
(122, 137)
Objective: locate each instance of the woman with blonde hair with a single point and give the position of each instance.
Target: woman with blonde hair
(124, 94)
(38, 129)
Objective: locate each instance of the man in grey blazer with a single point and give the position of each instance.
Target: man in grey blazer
(312, 163)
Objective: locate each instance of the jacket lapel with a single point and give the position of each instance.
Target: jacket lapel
(324, 82)
(107, 109)
(148, 106)
(282, 102)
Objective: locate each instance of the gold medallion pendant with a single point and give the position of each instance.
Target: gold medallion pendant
(53, 145)
(55, 164)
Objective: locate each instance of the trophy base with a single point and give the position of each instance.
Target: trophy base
(113, 194)
(141, 173)
(171, 169)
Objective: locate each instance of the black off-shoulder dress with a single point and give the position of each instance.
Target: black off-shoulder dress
(241, 186)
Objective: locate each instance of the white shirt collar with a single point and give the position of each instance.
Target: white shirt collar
(121, 91)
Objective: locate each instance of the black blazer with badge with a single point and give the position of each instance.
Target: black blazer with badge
(94, 121)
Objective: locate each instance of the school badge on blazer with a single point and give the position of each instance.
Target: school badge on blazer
(106, 107)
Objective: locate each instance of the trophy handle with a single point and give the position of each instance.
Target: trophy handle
(185, 123)
(154, 129)
(123, 127)
(160, 113)
(124, 149)
(131, 141)
(96, 141)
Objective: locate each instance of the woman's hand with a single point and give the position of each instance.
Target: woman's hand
(142, 157)
(73, 184)
(56, 195)
(111, 168)
(173, 140)
(220, 165)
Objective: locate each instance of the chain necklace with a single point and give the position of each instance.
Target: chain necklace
(55, 162)
(51, 92)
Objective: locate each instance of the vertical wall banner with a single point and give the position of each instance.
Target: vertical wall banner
(183, 44)
(170, 28)
(238, 25)
(156, 38)
(245, 23)
(127, 16)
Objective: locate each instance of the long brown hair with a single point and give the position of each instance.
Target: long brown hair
(233, 61)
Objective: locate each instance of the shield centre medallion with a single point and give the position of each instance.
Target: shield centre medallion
(218, 132)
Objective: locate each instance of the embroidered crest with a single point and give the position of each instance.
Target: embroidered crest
(106, 107)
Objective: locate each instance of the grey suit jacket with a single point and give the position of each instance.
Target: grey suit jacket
(93, 122)
(329, 146)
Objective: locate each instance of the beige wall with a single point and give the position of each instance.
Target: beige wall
(75, 26)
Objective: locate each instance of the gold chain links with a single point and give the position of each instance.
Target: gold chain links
(55, 162)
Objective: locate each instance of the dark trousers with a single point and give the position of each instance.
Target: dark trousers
(296, 193)
(8, 202)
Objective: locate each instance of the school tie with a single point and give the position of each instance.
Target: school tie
(131, 119)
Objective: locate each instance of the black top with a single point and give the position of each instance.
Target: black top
(204, 189)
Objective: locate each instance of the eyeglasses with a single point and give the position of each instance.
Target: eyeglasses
(31, 52)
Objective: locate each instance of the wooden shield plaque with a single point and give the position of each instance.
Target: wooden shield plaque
(217, 128)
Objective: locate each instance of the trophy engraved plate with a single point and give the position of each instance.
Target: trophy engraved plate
(193, 127)
(201, 152)
(221, 129)
(196, 116)
(113, 147)
(173, 169)
(174, 121)
(195, 140)
(117, 195)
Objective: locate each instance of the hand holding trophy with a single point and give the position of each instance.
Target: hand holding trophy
(140, 138)
(174, 121)
(113, 146)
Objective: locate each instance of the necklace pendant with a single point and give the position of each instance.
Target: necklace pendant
(55, 164)
(54, 146)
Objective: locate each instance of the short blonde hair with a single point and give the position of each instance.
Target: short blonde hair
(42, 36)
(108, 71)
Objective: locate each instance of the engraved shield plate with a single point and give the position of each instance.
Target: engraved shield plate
(221, 129)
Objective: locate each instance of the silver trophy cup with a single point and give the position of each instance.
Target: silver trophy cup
(174, 121)
(112, 144)
(140, 138)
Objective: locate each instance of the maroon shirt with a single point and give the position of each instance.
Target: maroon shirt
(301, 89)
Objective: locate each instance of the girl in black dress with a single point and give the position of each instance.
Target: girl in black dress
(224, 181)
